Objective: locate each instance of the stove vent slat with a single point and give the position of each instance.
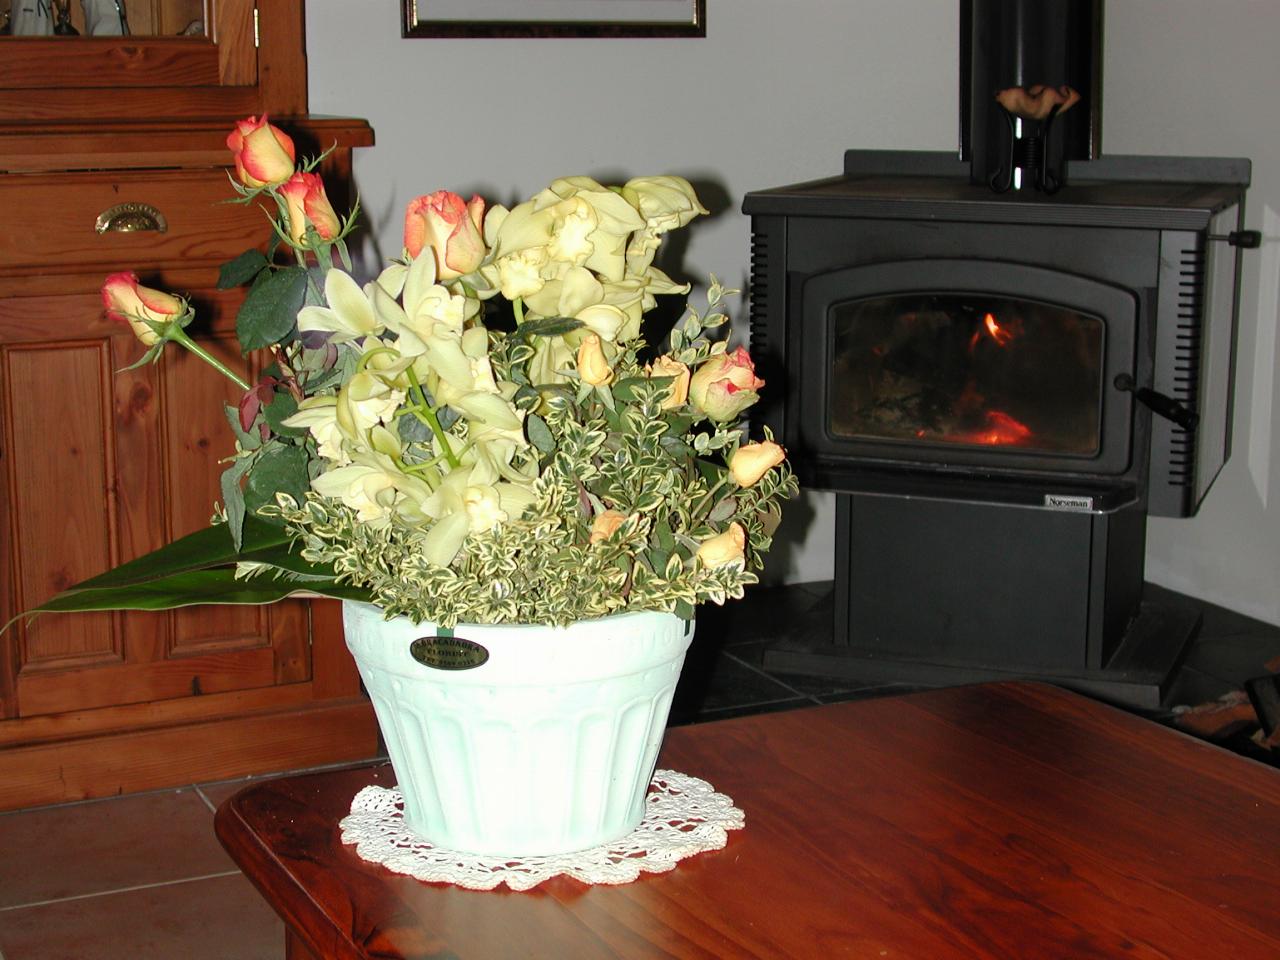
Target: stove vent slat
(1187, 342)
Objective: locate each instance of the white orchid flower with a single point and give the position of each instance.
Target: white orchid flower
(350, 315)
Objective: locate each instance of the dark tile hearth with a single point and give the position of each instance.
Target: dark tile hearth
(68, 873)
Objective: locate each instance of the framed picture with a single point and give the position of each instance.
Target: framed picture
(555, 18)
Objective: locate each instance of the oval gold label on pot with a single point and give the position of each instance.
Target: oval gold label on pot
(448, 653)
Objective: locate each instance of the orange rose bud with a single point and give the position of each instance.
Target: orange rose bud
(305, 199)
(453, 230)
(724, 548)
(751, 461)
(126, 300)
(605, 525)
(593, 368)
(264, 155)
(678, 392)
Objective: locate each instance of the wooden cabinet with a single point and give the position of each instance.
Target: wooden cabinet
(99, 464)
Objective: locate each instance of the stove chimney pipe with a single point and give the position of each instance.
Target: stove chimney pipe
(1030, 89)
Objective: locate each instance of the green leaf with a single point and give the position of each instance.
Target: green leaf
(547, 327)
(241, 270)
(723, 510)
(233, 497)
(281, 408)
(193, 588)
(270, 309)
(282, 468)
(539, 433)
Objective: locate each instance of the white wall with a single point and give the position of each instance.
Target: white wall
(774, 94)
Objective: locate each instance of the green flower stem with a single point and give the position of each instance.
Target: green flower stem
(517, 307)
(427, 414)
(178, 335)
(705, 502)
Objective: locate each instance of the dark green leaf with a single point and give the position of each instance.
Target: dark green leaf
(241, 270)
(192, 588)
(270, 309)
(281, 408)
(282, 468)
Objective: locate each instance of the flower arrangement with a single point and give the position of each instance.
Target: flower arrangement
(480, 434)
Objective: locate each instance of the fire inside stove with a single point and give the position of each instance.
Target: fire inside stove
(967, 369)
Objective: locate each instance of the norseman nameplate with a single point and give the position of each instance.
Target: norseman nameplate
(1061, 501)
(448, 653)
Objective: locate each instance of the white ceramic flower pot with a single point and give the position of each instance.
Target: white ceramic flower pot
(546, 747)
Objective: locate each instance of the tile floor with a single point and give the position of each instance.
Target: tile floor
(143, 876)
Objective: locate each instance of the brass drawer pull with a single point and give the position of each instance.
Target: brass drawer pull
(131, 218)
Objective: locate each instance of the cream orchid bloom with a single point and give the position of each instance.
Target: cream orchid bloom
(319, 417)
(365, 401)
(375, 489)
(350, 314)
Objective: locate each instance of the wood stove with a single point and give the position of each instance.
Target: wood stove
(1001, 384)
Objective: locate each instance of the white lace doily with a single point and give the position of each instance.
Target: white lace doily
(683, 816)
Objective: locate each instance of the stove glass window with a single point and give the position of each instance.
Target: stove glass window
(967, 369)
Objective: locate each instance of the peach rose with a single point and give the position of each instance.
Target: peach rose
(128, 301)
(678, 392)
(305, 199)
(450, 227)
(264, 155)
(725, 385)
(751, 461)
(606, 525)
(724, 548)
(593, 368)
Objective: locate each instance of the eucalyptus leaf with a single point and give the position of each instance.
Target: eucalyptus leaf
(539, 433)
(723, 510)
(548, 327)
(233, 497)
(270, 309)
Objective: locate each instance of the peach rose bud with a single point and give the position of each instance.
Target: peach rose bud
(128, 301)
(724, 548)
(605, 525)
(264, 155)
(593, 368)
(451, 229)
(725, 385)
(678, 392)
(305, 199)
(751, 461)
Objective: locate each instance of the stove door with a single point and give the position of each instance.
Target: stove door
(967, 363)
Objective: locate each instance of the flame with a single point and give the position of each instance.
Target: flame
(997, 331)
(1000, 430)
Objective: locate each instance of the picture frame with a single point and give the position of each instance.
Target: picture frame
(554, 18)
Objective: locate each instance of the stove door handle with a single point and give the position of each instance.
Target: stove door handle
(1158, 403)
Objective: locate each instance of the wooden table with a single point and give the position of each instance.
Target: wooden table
(1012, 821)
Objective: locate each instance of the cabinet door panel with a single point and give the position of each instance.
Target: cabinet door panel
(100, 467)
(61, 530)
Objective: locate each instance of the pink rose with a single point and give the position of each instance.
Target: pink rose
(725, 385)
(264, 154)
(451, 228)
(305, 199)
(128, 301)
